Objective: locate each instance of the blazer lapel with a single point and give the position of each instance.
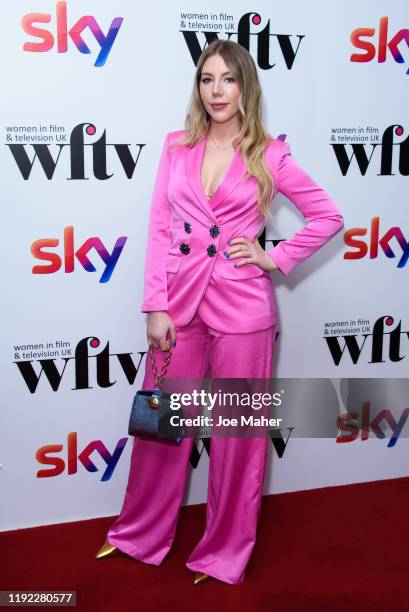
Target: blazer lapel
(235, 173)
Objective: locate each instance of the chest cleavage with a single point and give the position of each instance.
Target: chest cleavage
(213, 171)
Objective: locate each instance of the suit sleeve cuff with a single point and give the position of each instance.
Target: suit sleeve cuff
(154, 307)
(280, 260)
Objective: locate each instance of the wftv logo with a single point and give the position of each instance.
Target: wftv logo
(370, 49)
(244, 32)
(80, 363)
(362, 248)
(351, 345)
(70, 254)
(46, 456)
(76, 150)
(105, 41)
(385, 148)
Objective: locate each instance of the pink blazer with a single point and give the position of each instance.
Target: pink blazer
(188, 234)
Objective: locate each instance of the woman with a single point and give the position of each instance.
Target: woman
(208, 290)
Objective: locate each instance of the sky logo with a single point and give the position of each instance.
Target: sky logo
(47, 39)
(358, 36)
(70, 254)
(48, 455)
(376, 240)
(351, 427)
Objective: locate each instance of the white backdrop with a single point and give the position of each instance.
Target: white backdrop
(67, 206)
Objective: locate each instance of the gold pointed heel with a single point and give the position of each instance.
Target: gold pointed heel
(200, 577)
(107, 550)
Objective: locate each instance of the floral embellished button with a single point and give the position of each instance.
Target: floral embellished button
(185, 248)
(214, 231)
(211, 250)
(188, 227)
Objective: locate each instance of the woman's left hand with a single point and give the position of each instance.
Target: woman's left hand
(250, 252)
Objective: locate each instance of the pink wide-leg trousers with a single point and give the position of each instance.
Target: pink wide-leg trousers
(146, 525)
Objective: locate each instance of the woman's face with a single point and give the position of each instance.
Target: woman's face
(218, 87)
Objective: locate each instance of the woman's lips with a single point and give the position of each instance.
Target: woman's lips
(218, 106)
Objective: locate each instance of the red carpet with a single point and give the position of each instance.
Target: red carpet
(339, 548)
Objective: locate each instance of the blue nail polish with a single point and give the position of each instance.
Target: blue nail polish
(229, 242)
(174, 343)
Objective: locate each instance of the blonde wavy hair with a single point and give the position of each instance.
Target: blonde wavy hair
(252, 137)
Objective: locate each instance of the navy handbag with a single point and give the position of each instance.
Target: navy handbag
(151, 411)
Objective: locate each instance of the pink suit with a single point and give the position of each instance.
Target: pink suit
(180, 280)
(225, 321)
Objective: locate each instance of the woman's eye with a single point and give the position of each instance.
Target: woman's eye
(207, 79)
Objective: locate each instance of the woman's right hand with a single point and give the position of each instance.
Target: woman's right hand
(158, 326)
